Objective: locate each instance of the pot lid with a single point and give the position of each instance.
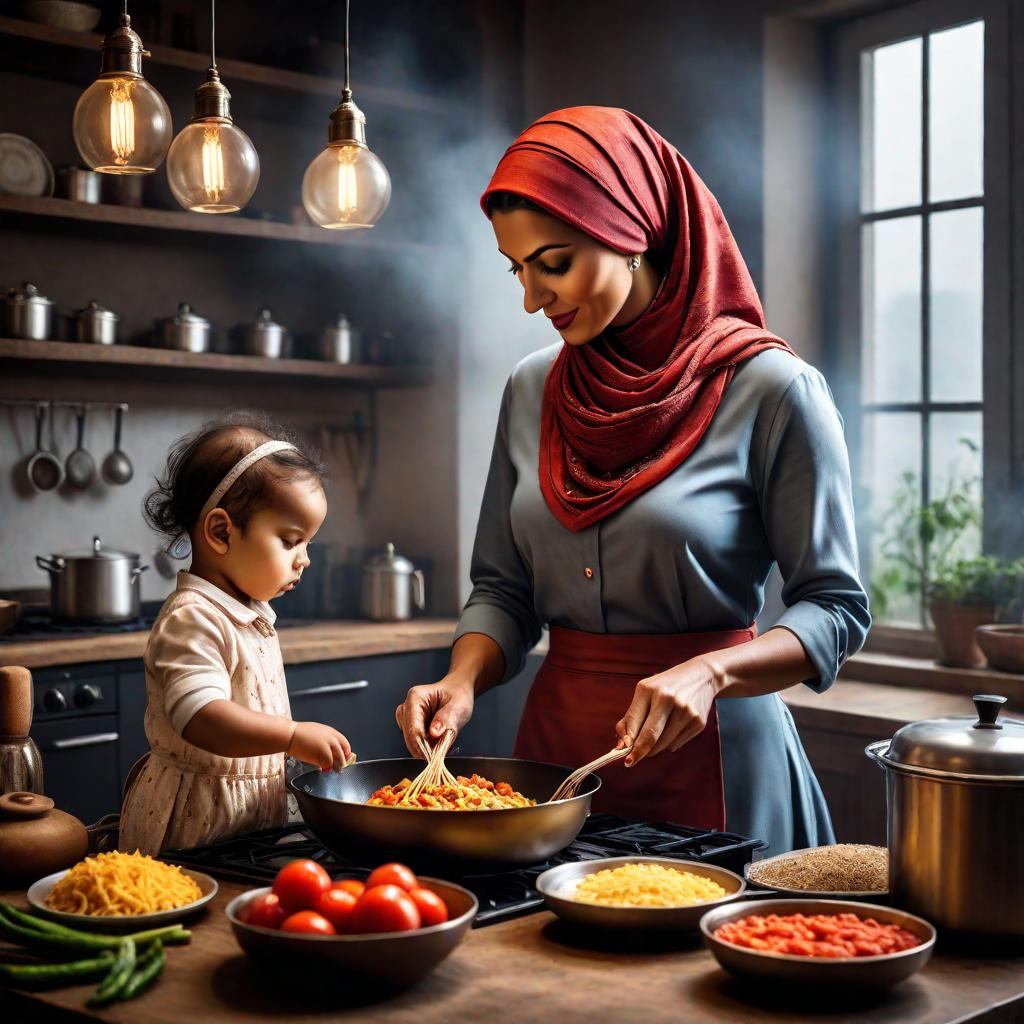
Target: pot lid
(98, 551)
(27, 293)
(186, 316)
(389, 561)
(265, 322)
(95, 311)
(984, 744)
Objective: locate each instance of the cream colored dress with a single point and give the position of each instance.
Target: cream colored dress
(205, 645)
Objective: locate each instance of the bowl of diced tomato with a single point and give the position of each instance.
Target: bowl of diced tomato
(387, 931)
(818, 942)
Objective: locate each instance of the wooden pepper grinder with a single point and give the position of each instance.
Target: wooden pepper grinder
(21, 767)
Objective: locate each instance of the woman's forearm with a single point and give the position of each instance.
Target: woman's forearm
(771, 662)
(477, 660)
(226, 728)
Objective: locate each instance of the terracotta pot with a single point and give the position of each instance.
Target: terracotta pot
(1003, 646)
(954, 632)
(36, 839)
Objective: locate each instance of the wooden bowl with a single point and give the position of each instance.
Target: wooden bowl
(1003, 646)
(9, 612)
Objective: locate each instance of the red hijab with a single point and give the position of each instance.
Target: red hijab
(623, 411)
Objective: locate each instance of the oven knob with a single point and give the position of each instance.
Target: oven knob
(86, 695)
(54, 700)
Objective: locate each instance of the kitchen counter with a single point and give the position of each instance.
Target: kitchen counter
(318, 641)
(526, 971)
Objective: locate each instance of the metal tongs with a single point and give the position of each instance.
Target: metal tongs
(568, 789)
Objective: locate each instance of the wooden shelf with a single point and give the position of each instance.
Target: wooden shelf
(169, 364)
(221, 224)
(233, 71)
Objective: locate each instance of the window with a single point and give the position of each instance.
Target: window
(924, 350)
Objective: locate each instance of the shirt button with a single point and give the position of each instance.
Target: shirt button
(589, 573)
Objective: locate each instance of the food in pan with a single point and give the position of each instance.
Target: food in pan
(119, 884)
(646, 885)
(837, 936)
(846, 867)
(466, 794)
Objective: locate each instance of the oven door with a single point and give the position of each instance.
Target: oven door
(80, 765)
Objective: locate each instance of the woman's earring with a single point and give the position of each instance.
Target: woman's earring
(634, 263)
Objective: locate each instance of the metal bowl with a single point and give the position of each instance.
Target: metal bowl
(333, 804)
(557, 886)
(854, 972)
(807, 894)
(390, 960)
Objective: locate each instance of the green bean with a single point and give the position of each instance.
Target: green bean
(119, 974)
(54, 975)
(147, 970)
(50, 943)
(26, 929)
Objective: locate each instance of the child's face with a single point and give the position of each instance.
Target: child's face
(266, 559)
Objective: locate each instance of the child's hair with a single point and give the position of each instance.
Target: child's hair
(198, 462)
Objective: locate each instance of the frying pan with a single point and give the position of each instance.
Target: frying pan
(333, 805)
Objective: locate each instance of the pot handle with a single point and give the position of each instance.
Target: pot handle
(877, 751)
(54, 565)
(136, 573)
(419, 590)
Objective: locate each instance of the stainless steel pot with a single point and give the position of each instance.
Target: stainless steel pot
(101, 585)
(264, 338)
(337, 342)
(185, 331)
(96, 325)
(27, 314)
(955, 791)
(391, 586)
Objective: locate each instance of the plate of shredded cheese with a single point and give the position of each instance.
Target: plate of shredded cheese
(638, 892)
(121, 892)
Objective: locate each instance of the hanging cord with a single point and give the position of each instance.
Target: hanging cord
(213, 33)
(347, 91)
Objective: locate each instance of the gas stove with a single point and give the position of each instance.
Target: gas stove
(257, 857)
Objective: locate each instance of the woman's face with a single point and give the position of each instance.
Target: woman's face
(581, 285)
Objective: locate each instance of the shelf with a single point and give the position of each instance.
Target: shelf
(169, 364)
(221, 224)
(233, 71)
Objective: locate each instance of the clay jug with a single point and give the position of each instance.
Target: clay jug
(36, 839)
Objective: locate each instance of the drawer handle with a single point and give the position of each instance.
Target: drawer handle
(85, 741)
(358, 684)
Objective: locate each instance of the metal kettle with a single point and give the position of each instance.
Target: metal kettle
(21, 767)
(392, 586)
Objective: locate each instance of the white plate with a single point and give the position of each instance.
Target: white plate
(38, 892)
(24, 169)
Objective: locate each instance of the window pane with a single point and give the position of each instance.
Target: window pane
(892, 310)
(891, 87)
(956, 111)
(955, 255)
(892, 475)
(955, 464)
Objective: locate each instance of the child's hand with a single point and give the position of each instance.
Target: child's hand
(319, 744)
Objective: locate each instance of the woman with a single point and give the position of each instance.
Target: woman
(646, 474)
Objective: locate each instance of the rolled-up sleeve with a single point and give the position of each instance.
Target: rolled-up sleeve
(189, 656)
(501, 603)
(807, 508)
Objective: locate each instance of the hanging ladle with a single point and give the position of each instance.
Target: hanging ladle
(44, 469)
(117, 467)
(80, 468)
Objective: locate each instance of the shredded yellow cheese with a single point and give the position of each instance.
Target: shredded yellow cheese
(120, 884)
(646, 885)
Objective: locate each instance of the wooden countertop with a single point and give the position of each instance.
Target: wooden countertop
(526, 971)
(319, 641)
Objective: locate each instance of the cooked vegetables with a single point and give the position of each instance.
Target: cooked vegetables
(646, 885)
(846, 867)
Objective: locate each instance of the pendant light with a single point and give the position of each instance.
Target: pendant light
(122, 124)
(212, 166)
(346, 186)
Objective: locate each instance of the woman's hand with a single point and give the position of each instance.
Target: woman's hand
(447, 704)
(668, 710)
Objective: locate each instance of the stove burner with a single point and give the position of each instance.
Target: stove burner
(257, 857)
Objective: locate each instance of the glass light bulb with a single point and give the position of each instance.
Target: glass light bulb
(122, 125)
(346, 186)
(213, 167)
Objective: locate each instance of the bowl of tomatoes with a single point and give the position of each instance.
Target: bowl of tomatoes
(387, 931)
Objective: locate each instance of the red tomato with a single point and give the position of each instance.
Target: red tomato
(384, 908)
(393, 874)
(336, 905)
(306, 922)
(299, 884)
(432, 908)
(352, 885)
(265, 911)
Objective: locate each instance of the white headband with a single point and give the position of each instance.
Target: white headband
(260, 452)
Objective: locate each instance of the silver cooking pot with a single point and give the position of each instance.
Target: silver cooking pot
(27, 314)
(955, 791)
(101, 585)
(391, 587)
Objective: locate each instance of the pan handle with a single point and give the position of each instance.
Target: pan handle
(54, 565)
(877, 751)
(357, 684)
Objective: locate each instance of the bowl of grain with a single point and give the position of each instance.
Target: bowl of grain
(656, 893)
(841, 871)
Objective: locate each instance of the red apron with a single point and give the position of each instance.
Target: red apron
(585, 686)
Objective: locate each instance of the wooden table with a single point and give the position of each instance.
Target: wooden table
(527, 971)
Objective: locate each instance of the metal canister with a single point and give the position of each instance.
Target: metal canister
(186, 331)
(391, 587)
(338, 342)
(96, 325)
(263, 337)
(27, 314)
(955, 792)
(79, 184)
